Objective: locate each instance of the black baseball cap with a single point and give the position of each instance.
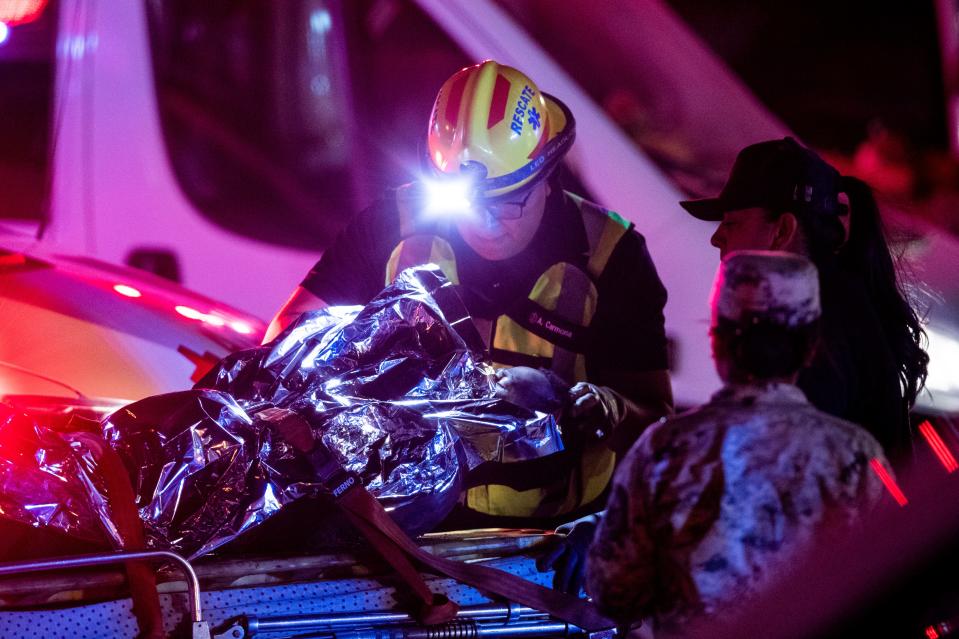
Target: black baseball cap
(780, 175)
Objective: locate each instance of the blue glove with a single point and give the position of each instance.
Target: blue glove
(568, 555)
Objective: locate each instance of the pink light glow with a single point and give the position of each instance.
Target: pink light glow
(127, 291)
(15, 12)
(938, 446)
(189, 313)
(208, 318)
(889, 482)
(241, 327)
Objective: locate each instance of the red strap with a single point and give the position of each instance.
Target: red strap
(434, 609)
(141, 577)
(361, 505)
(397, 548)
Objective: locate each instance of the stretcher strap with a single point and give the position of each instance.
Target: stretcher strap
(434, 608)
(361, 505)
(141, 577)
(397, 548)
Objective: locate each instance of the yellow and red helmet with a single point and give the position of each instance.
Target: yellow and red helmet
(492, 122)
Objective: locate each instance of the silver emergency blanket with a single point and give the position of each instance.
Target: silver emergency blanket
(397, 390)
(48, 478)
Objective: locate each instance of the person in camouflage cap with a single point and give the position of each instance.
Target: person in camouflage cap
(769, 286)
(710, 505)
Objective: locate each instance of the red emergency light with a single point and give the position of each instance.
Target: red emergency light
(14, 12)
(886, 478)
(938, 446)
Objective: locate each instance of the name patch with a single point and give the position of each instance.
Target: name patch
(538, 320)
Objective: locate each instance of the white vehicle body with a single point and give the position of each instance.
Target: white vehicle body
(79, 334)
(113, 188)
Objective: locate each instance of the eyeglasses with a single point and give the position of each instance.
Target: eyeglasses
(509, 210)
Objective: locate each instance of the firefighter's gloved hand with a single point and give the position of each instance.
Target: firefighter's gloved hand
(596, 409)
(568, 556)
(531, 388)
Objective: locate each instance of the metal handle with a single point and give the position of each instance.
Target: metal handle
(80, 561)
(506, 613)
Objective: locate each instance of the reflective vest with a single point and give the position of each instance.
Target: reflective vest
(548, 329)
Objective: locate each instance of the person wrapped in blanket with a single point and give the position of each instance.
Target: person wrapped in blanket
(712, 504)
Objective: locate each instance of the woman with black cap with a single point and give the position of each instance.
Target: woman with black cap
(871, 364)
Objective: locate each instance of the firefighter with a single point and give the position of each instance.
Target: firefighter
(560, 288)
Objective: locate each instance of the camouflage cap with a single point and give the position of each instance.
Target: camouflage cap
(766, 286)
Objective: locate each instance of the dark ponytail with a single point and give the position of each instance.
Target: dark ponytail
(866, 256)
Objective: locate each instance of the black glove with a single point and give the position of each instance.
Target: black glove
(594, 410)
(568, 555)
(535, 389)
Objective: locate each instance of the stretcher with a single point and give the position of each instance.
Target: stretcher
(336, 595)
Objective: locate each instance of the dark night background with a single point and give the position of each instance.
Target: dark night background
(830, 69)
(862, 82)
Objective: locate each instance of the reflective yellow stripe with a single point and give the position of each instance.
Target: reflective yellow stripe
(612, 234)
(549, 286)
(413, 251)
(393, 264)
(604, 230)
(579, 488)
(441, 254)
(503, 501)
(551, 291)
(510, 336)
(596, 468)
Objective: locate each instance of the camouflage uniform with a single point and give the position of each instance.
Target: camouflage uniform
(709, 505)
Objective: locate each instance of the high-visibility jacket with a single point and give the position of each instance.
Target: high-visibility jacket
(548, 329)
